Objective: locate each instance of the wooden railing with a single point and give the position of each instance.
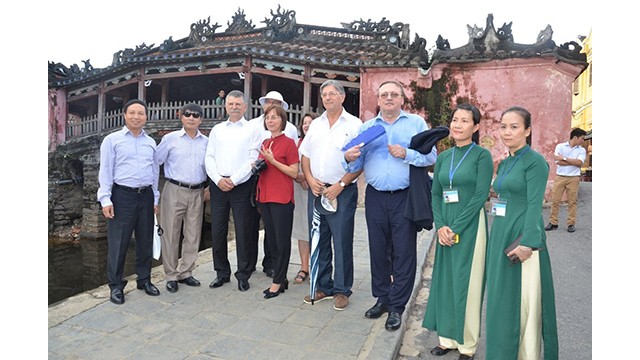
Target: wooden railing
(164, 114)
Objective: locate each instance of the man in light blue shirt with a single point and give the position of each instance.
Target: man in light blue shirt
(129, 195)
(392, 237)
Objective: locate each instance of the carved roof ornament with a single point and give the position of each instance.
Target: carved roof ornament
(491, 44)
(397, 33)
(120, 57)
(281, 26)
(419, 48)
(202, 31)
(239, 23)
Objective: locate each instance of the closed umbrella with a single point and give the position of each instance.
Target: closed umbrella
(321, 206)
(313, 261)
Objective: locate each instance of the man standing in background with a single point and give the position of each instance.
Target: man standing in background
(569, 157)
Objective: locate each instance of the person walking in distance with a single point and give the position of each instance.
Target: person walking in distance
(569, 157)
(129, 196)
(183, 196)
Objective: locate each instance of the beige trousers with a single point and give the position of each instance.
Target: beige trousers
(561, 184)
(178, 205)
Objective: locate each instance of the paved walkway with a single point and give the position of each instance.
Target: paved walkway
(224, 323)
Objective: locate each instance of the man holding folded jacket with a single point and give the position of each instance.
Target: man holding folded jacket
(392, 236)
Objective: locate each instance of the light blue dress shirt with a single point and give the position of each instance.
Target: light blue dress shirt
(127, 160)
(383, 171)
(183, 157)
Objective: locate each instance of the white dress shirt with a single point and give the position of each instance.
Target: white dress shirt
(231, 150)
(323, 145)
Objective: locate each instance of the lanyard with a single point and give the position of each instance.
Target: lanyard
(452, 170)
(506, 172)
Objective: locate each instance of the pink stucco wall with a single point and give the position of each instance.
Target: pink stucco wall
(539, 84)
(57, 121)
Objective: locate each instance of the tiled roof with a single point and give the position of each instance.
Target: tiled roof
(282, 42)
(358, 44)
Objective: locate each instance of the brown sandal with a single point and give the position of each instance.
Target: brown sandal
(301, 277)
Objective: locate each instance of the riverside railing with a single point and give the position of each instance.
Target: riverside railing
(164, 114)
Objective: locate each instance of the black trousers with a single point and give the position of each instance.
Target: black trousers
(133, 213)
(278, 223)
(239, 201)
(392, 247)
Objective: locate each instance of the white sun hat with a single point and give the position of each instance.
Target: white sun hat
(274, 95)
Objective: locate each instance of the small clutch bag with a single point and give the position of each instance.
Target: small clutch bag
(513, 259)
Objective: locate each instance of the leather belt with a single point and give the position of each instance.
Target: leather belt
(188, 186)
(131, 189)
(391, 191)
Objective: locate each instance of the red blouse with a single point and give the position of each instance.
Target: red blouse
(274, 185)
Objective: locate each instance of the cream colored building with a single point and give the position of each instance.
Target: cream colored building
(581, 104)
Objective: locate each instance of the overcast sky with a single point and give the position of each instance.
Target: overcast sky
(96, 32)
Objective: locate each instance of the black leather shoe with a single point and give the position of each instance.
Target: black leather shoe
(172, 286)
(551, 226)
(466, 357)
(191, 281)
(571, 228)
(439, 351)
(393, 321)
(243, 285)
(149, 288)
(218, 282)
(117, 296)
(376, 311)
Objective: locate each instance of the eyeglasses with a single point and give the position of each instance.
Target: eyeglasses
(329, 94)
(392, 95)
(195, 115)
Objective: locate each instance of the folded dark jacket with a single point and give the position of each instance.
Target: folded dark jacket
(419, 198)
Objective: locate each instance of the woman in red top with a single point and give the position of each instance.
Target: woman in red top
(275, 194)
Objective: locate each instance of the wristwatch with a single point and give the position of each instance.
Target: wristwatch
(342, 183)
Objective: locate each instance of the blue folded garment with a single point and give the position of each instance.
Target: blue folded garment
(365, 137)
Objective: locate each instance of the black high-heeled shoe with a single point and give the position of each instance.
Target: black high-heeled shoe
(286, 287)
(268, 294)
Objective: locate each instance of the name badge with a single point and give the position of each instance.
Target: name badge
(498, 207)
(450, 196)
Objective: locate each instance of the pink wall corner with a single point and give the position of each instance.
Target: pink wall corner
(57, 121)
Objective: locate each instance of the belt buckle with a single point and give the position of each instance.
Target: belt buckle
(140, 190)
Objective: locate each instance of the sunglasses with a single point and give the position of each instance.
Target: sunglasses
(195, 115)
